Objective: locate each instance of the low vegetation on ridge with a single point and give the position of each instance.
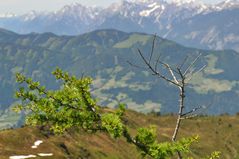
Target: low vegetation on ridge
(215, 133)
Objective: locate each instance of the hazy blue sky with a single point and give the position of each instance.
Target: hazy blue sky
(23, 6)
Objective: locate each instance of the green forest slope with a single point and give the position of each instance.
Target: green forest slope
(103, 55)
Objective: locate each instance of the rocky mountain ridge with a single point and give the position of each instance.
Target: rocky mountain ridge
(189, 22)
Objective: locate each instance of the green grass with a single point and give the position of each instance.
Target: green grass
(211, 66)
(203, 85)
(132, 40)
(219, 133)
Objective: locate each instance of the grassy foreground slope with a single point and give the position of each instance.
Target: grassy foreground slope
(216, 133)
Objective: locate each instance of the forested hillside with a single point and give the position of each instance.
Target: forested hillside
(104, 54)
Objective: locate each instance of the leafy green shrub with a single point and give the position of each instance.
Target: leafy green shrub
(73, 106)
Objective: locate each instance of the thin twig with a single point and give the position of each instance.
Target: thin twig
(200, 70)
(192, 111)
(156, 64)
(137, 66)
(152, 49)
(184, 61)
(171, 72)
(155, 72)
(192, 64)
(167, 66)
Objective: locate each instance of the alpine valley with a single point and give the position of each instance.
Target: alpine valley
(136, 79)
(77, 39)
(103, 55)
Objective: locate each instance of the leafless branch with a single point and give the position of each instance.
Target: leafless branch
(152, 49)
(137, 66)
(179, 79)
(194, 73)
(156, 64)
(181, 74)
(190, 116)
(191, 111)
(171, 72)
(183, 62)
(154, 71)
(192, 64)
(167, 66)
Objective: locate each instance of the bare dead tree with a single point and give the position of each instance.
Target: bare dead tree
(178, 76)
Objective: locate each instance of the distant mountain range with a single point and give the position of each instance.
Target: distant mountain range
(103, 55)
(189, 22)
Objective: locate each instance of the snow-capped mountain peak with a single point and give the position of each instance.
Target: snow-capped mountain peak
(183, 2)
(227, 4)
(31, 15)
(143, 1)
(128, 15)
(190, 4)
(151, 8)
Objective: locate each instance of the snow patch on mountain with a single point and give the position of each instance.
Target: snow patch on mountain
(152, 5)
(7, 15)
(146, 13)
(182, 2)
(30, 16)
(227, 4)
